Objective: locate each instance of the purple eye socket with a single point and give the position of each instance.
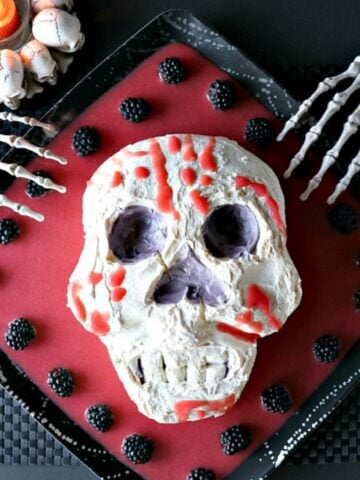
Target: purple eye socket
(138, 233)
(231, 231)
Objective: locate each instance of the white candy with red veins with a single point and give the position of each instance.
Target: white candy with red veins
(180, 318)
(39, 5)
(11, 79)
(39, 62)
(58, 29)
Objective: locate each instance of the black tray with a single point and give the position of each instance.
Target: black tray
(171, 26)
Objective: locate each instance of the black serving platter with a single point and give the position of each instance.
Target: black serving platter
(171, 26)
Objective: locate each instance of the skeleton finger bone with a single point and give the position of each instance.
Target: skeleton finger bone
(19, 142)
(21, 172)
(20, 208)
(352, 71)
(32, 122)
(343, 183)
(350, 127)
(338, 100)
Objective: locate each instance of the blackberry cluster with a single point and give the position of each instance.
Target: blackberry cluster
(221, 94)
(276, 399)
(137, 449)
(134, 109)
(343, 218)
(201, 474)
(19, 334)
(100, 417)
(86, 140)
(326, 349)
(171, 70)
(356, 298)
(9, 231)
(259, 131)
(235, 439)
(61, 382)
(33, 189)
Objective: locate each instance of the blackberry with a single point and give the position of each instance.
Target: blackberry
(134, 109)
(137, 449)
(221, 94)
(201, 474)
(61, 382)
(171, 70)
(276, 399)
(100, 417)
(9, 231)
(343, 218)
(326, 349)
(356, 298)
(259, 131)
(357, 260)
(235, 439)
(19, 334)
(33, 189)
(86, 140)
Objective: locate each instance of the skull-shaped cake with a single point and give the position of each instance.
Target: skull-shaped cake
(184, 268)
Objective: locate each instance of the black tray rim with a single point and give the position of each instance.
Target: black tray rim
(13, 379)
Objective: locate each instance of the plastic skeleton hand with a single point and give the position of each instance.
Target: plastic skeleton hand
(350, 128)
(21, 172)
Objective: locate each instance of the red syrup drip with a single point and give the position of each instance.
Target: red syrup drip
(235, 332)
(256, 298)
(246, 318)
(199, 201)
(79, 306)
(205, 180)
(138, 153)
(117, 277)
(118, 294)
(99, 323)
(164, 193)
(188, 176)
(116, 179)
(206, 159)
(141, 173)
(95, 278)
(189, 154)
(174, 144)
(261, 190)
(183, 408)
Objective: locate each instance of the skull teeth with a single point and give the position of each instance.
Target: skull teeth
(205, 366)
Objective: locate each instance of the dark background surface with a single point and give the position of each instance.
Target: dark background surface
(298, 42)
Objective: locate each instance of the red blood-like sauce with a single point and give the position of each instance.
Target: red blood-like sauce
(261, 190)
(138, 153)
(79, 306)
(206, 159)
(235, 332)
(99, 323)
(256, 298)
(118, 294)
(117, 277)
(205, 180)
(246, 318)
(199, 201)
(116, 179)
(141, 173)
(95, 278)
(174, 144)
(189, 154)
(164, 193)
(183, 408)
(188, 176)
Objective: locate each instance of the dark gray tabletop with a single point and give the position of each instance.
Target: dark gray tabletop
(298, 43)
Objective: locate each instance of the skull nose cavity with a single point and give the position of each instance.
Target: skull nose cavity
(191, 279)
(138, 233)
(231, 231)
